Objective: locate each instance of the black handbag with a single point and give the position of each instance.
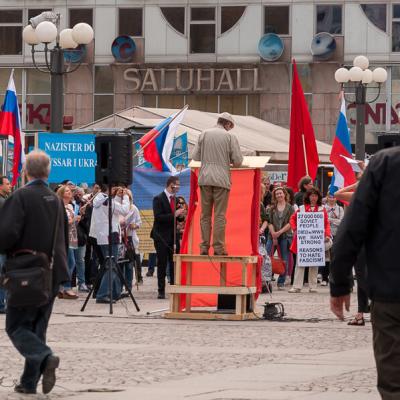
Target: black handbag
(28, 275)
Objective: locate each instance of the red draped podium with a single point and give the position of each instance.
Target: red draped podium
(241, 238)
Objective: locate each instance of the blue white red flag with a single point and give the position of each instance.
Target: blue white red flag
(343, 174)
(10, 126)
(157, 144)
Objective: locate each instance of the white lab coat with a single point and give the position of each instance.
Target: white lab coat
(99, 221)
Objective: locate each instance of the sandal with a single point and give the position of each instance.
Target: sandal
(357, 321)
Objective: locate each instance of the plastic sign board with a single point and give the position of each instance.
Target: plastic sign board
(310, 239)
(73, 156)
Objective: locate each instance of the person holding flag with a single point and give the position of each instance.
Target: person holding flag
(10, 128)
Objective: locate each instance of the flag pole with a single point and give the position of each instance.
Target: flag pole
(178, 113)
(305, 153)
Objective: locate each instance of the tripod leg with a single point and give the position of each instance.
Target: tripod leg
(125, 283)
(95, 286)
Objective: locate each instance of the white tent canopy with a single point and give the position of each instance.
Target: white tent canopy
(256, 136)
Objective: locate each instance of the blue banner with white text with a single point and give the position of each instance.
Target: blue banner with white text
(72, 156)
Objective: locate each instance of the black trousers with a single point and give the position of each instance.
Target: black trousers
(27, 327)
(385, 319)
(164, 256)
(360, 268)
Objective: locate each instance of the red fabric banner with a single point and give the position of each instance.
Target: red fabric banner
(302, 145)
(242, 216)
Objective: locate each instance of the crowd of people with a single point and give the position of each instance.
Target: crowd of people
(278, 223)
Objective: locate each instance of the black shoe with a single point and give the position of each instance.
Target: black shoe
(161, 296)
(2, 311)
(20, 389)
(49, 373)
(149, 273)
(104, 300)
(220, 253)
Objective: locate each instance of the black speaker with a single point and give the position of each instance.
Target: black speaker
(114, 159)
(388, 140)
(227, 302)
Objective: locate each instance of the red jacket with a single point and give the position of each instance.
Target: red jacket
(293, 224)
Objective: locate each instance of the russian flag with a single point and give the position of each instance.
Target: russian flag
(343, 174)
(10, 126)
(157, 144)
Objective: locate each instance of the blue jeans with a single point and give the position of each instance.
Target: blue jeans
(2, 291)
(128, 273)
(79, 256)
(104, 289)
(71, 267)
(284, 248)
(152, 261)
(26, 327)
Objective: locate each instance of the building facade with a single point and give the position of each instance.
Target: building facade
(205, 54)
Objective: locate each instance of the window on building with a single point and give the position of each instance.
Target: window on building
(376, 13)
(171, 101)
(202, 102)
(276, 20)
(202, 30)
(37, 99)
(235, 104)
(329, 19)
(130, 21)
(396, 28)
(103, 106)
(175, 16)
(230, 15)
(11, 26)
(103, 79)
(103, 91)
(77, 15)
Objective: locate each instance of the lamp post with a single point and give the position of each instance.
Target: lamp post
(44, 28)
(360, 76)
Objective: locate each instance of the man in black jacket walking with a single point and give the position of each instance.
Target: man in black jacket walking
(164, 228)
(27, 221)
(373, 220)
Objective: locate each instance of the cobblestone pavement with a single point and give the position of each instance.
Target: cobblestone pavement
(308, 354)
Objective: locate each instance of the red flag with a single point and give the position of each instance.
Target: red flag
(303, 154)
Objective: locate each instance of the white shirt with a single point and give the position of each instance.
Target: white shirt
(133, 217)
(169, 195)
(99, 221)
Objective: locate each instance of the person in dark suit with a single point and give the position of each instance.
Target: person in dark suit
(27, 221)
(164, 232)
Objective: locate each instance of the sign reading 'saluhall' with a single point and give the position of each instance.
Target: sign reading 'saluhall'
(173, 80)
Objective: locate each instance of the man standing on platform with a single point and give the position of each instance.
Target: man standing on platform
(164, 231)
(217, 150)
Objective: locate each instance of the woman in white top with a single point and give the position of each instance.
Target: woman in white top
(65, 194)
(99, 231)
(130, 224)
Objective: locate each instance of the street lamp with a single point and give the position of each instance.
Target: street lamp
(44, 28)
(360, 76)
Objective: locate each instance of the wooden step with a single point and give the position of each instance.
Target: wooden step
(217, 259)
(241, 290)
